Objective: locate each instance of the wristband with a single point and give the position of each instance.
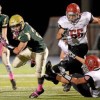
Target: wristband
(63, 73)
(10, 47)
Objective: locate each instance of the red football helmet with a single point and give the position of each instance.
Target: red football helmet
(92, 62)
(72, 12)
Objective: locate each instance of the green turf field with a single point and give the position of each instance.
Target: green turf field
(26, 83)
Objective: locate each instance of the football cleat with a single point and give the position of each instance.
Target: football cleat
(13, 84)
(36, 94)
(48, 68)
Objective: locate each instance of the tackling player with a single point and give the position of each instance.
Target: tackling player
(90, 80)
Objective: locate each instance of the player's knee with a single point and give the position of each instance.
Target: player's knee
(38, 75)
(16, 65)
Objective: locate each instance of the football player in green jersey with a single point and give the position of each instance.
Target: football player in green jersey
(31, 46)
(4, 52)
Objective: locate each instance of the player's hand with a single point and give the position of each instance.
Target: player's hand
(5, 44)
(3, 41)
(65, 33)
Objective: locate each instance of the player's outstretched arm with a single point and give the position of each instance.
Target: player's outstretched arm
(5, 44)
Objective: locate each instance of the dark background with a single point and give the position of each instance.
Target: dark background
(38, 12)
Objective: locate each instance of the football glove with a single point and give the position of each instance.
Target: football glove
(3, 41)
(84, 68)
(65, 33)
(5, 44)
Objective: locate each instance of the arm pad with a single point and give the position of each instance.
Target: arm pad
(63, 73)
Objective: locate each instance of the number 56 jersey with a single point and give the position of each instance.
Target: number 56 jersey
(76, 31)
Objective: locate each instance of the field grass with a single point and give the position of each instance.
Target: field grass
(27, 83)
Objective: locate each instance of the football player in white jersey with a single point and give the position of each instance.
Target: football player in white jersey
(74, 26)
(91, 68)
(90, 80)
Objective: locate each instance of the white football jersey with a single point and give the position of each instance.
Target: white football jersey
(77, 31)
(96, 77)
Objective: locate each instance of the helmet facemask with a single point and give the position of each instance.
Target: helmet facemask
(72, 17)
(16, 30)
(73, 12)
(16, 24)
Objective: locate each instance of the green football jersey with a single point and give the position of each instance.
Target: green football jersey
(4, 19)
(30, 35)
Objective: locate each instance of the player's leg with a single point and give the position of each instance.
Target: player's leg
(50, 73)
(6, 62)
(40, 59)
(83, 89)
(22, 58)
